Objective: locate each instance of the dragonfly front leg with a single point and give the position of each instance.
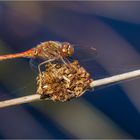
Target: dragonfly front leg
(45, 62)
(65, 61)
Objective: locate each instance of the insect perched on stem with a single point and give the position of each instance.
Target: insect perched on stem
(45, 50)
(49, 51)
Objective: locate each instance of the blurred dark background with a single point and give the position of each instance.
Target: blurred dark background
(113, 28)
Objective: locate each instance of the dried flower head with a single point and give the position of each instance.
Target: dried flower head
(61, 82)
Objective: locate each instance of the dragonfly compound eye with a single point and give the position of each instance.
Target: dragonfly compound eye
(67, 49)
(70, 50)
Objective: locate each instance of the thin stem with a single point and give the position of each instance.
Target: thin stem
(96, 83)
(21, 100)
(116, 78)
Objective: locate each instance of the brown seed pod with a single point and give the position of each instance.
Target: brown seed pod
(61, 82)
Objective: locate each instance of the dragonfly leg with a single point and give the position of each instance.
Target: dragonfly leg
(65, 60)
(45, 62)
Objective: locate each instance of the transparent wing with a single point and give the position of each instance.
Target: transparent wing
(89, 59)
(84, 54)
(34, 62)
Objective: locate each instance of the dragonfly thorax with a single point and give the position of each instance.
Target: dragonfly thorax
(54, 49)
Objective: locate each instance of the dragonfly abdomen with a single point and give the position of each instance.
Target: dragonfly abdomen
(26, 54)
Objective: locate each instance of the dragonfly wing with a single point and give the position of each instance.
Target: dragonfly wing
(88, 58)
(84, 54)
(34, 62)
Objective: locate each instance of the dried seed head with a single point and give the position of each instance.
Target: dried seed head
(62, 82)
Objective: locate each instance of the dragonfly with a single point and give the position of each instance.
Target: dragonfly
(49, 51)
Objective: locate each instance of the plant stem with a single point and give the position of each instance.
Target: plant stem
(96, 83)
(116, 78)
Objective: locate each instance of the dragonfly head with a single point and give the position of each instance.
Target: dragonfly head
(67, 49)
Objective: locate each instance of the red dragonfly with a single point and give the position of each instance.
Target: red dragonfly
(45, 50)
(49, 51)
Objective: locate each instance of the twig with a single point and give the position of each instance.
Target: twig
(116, 78)
(96, 83)
(21, 100)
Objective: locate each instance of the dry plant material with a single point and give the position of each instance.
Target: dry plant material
(62, 82)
